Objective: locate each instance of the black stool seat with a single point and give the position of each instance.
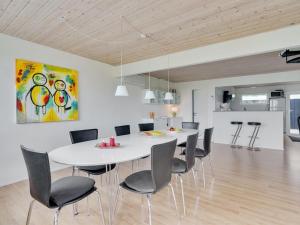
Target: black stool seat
(236, 122)
(254, 123)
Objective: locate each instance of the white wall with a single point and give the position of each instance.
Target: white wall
(98, 107)
(207, 92)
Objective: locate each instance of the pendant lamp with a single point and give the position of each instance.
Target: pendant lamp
(168, 95)
(149, 94)
(121, 89)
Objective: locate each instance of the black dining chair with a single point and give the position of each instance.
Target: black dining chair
(205, 152)
(78, 136)
(60, 193)
(180, 167)
(188, 125)
(122, 130)
(146, 127)
(149, 182)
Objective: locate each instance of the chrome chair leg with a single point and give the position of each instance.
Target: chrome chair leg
(117, 200)
(182, 193)
(211, 167)
(100, 206)
(174, 198)
(87, 200)
(149, 208)
(203, 173)
(56, 216)
(117, 175)
(29, 212)
(73, 171)
(88, 206)
(132, 166)
(75, 209)
(194, 176)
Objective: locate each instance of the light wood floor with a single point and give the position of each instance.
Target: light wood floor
(250, 188)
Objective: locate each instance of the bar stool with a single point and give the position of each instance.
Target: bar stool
(236, 134)
(253, 137)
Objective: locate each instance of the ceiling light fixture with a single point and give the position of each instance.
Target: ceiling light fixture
(149, 94)
(169, 95)
(121, 89)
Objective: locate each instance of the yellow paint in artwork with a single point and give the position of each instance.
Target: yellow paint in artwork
(40, 95)
(73, 116)
(31, 67)
(50, 116)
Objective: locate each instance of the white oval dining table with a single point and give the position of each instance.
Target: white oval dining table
(132, 146)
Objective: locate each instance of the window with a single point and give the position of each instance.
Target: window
(295, 96)
(254, 99)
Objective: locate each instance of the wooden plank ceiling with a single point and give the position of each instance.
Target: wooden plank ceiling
(248, 65)
(175, 25)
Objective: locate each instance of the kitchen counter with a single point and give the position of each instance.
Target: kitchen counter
(270, 134)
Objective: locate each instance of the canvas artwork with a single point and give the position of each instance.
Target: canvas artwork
(45, 93)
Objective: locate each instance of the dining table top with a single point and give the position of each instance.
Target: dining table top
(132, 146)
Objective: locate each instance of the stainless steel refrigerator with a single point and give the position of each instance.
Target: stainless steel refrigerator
(279, 104)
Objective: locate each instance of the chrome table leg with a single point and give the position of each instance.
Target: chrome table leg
(29, 212)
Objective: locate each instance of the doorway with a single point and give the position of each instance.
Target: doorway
(294, 112)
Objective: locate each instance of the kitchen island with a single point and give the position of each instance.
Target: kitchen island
(271, 133)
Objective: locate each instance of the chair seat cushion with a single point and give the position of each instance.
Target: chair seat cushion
(70, 189)
(182, 145)
(178, 166)
(96, 170)
(200, 153)
(140, 182)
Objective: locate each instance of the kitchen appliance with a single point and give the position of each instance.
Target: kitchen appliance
(277, 94)
(278, 104)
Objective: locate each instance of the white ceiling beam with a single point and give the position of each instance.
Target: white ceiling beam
(256, 44)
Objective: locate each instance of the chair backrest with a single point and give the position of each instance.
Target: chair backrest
(122, 130)
(146, 126)
(299, 123)
(191, 144)
(161, 163)
(207, 139)
(78, 136)
(190, 125)
(38, 169)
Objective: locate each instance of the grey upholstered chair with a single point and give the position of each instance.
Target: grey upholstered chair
(202, 153)
(125, 130)
(180, 167)
(58, 194)
(78, 136)
(205, 152)
(188, 125)
(148, 182)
